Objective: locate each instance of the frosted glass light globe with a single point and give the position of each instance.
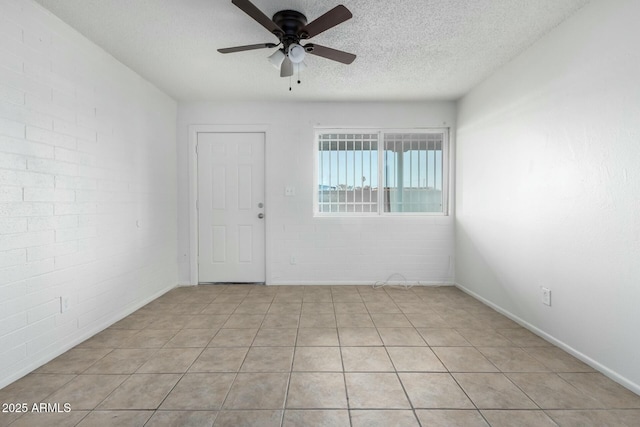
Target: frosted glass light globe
(296, 53)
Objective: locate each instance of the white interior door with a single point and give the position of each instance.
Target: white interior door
(231, 226)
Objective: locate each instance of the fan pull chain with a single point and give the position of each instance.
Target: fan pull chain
(297, 80)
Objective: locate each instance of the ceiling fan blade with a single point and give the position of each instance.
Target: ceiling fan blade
(286, 69)
(335, 16)
(262, 19)
(327, 52)
(247, 47)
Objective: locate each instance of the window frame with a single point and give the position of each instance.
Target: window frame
(444, 131)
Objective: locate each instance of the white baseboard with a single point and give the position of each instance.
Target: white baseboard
(66, 346)
(354, 283)
(577, 354)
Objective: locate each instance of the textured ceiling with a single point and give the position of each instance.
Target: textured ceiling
(407, 49)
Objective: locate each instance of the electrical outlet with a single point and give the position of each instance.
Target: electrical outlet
(289, 191)
(64, 304)
(293, 260)
(546, 296)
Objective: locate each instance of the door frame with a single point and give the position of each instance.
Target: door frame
(194, 130)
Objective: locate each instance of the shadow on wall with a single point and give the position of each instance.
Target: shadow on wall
(486, 279)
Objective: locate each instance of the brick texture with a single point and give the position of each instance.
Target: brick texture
(87, 196)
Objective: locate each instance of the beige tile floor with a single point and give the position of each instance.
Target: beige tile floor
(319, 356)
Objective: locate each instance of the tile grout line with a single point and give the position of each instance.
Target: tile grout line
(344, 374)
(293, 358)
(235, 377)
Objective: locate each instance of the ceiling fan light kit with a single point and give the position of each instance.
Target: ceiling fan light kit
(290, 27)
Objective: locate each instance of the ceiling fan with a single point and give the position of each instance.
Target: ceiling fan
(290, 27)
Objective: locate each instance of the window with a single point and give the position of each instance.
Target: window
(378, 172)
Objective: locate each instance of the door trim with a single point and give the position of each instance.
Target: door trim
(194, 130)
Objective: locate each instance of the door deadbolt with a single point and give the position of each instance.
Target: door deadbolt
(260, 204)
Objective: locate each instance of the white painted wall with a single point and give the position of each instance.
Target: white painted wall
(87, 188)
(328, 250)
(548, 187)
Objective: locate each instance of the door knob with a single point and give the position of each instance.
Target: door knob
(260, 215)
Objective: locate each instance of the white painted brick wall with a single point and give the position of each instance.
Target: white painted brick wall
(49, 137)
(11, 127)
(328, 250)
(87, 196)
(26, 148)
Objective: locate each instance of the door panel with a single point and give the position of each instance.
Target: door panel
(231, 236)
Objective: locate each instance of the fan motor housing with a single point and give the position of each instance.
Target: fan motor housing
(292, 23)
